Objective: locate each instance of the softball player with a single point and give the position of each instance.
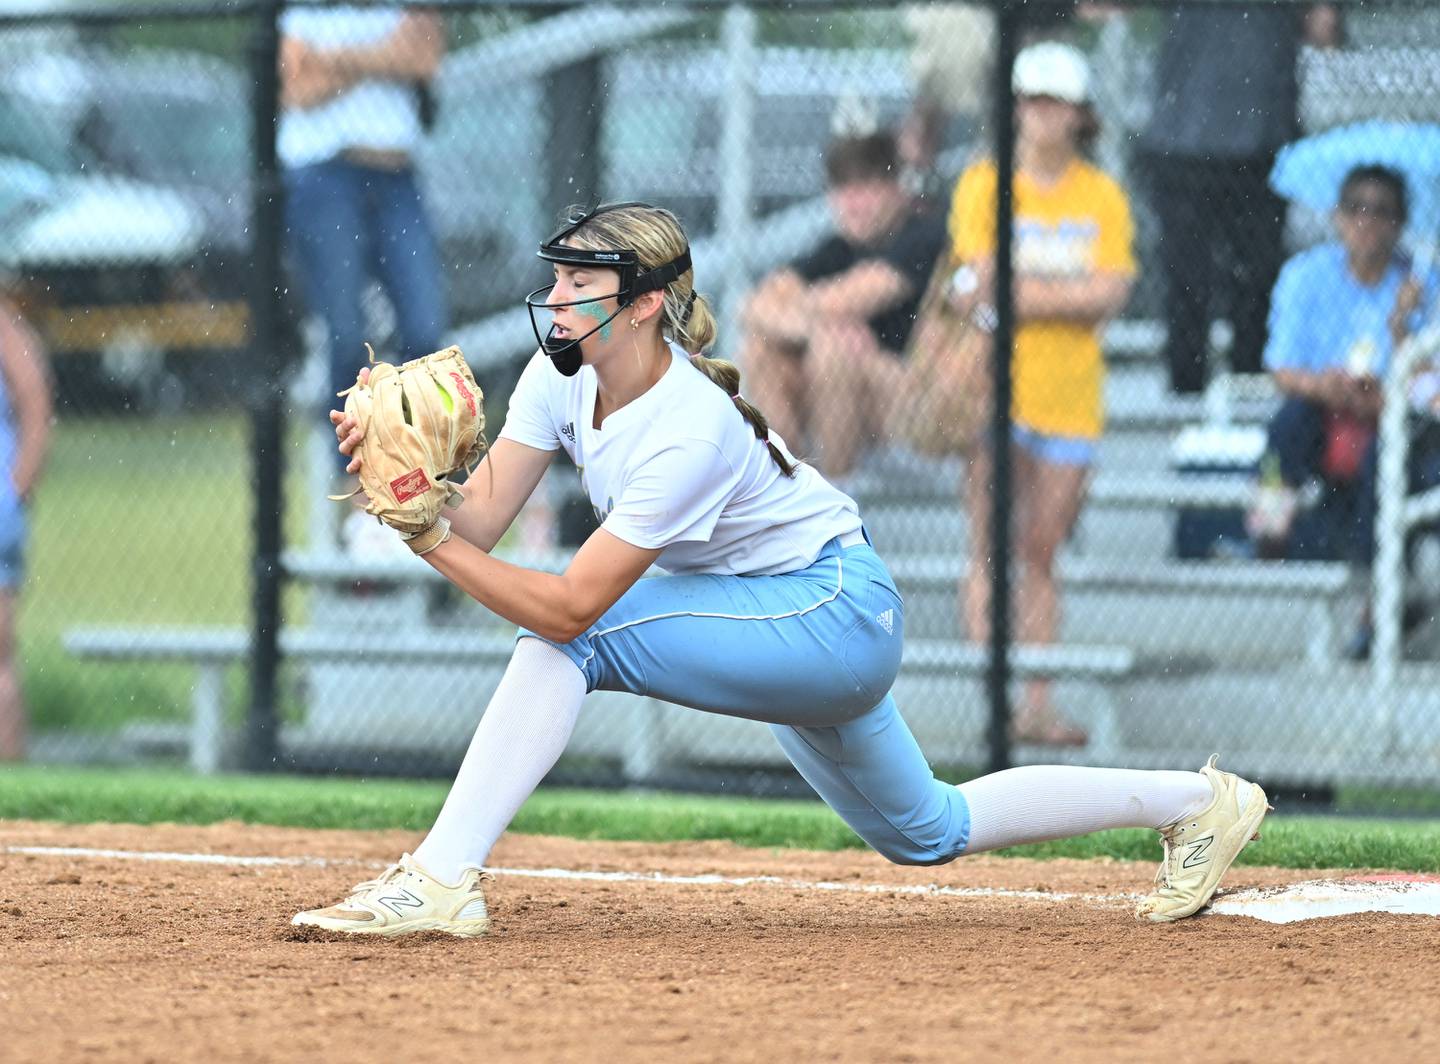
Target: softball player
(777, 608)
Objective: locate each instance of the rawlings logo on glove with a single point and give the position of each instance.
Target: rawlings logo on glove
(422, 422)
(412, 485)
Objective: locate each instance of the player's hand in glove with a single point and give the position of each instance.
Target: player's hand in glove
(408, 429)
(348, 432)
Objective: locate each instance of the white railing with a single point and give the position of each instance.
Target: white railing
(1398, 511)
(736, 221)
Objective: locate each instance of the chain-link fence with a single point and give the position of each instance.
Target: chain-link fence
(1225, 226)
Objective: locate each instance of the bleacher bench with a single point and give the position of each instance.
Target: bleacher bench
(211, 650)
(1164, 491)
(1056, 661)
(1322, 585)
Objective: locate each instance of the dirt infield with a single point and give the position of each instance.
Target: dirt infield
(103, 958)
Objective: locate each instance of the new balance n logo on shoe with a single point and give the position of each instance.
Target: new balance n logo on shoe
(403, 900)
(1199, 850)
(886, 621)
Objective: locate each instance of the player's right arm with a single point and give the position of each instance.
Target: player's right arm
(496, 491)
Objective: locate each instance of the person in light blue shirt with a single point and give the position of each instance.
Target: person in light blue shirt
(1338, 312)
(1333, 327)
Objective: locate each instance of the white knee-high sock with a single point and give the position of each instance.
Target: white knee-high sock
(1040, 802)
(522, 735)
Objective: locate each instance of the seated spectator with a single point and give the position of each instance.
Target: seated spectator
(1337, 314)
(824, 334)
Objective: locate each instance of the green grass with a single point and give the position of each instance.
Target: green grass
(151, 796)
(137, 522)
(143, 521)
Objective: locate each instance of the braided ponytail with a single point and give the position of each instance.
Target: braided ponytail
(726, 376)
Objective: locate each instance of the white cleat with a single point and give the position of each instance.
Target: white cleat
(1201, 848)
(406, 899)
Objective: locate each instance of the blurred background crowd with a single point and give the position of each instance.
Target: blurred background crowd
(1225, 218)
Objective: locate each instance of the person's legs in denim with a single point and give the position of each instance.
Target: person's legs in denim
(1297, 440)
(407, 261)
(1296, 443)
(325, 219)
(1422, 473)
(1359, 541)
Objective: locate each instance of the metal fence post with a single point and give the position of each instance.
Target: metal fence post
(267, 453)
(1391, 529)
(1007, 30)
(734, 214)
(574, 142)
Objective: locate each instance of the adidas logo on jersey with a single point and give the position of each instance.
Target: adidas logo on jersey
(886, 621)
(569, 431)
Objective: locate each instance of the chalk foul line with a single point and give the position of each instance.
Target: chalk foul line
(1399, 894)
(580, 875)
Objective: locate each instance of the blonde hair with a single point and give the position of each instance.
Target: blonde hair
(686, 318)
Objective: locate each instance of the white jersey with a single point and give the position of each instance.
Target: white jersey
(679, 468)
(375, 113)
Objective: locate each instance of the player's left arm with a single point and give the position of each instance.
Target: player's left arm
(555, 606)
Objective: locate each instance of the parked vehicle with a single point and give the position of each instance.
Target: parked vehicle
(123, 218)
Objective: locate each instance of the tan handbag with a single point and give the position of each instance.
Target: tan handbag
(948, 360)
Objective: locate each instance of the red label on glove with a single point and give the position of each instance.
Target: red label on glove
(412, 484)
(464, 392)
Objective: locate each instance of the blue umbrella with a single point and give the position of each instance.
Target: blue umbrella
(1311, 170)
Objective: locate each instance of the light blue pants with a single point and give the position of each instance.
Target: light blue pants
(812, 653)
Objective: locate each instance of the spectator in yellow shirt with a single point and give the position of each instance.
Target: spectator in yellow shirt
(1073, 270)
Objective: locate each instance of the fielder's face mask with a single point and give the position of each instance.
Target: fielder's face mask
(564, 352)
